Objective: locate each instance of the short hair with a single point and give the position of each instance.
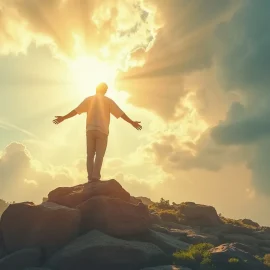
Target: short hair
(102, 88)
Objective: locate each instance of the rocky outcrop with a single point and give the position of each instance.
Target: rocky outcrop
(197, 214)
(220, 256)
(145, 200)
(48, 226)
(114, 216)
(201, 238)
(249, 222)
(74, 196)
(21, 259)
(167, 243)
(96, 250)
(2, 246)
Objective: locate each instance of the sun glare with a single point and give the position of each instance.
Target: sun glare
(88, 72)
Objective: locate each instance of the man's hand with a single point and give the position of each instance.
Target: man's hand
(137, 125)
(58, 119)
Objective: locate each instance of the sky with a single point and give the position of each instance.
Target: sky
(194, 72)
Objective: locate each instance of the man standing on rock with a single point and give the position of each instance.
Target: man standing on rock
(98, 109)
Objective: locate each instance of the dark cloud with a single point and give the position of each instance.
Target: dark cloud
(183, 45)
(243, 61)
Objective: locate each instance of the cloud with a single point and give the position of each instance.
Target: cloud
(242, 58)
(184, 45)
(23, 179)
(109, 30)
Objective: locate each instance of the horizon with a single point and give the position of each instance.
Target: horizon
(193, 72)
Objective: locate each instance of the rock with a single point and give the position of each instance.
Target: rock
(221, 254)
(48, 225)
(197, 214)
(21, 259)
(167, 243)
(167, 267)
(249, 222)
(114, 216)
(145, 200)
(134, 200)
(155, 218)
(202, 238)
(96, 251)
(241, 238)
(73, 196)
(265, 250)
(2, 246)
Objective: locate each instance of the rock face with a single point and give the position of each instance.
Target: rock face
(48, 225)
(96, 251)
(114, 216)
(2, 246)
(167, 243)
(21, 259)
(197, 214)
(74, 196)
(250, 222)
(221, 255)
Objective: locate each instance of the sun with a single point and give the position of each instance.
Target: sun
(88, 72)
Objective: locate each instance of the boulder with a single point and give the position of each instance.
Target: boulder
(197, 214)
(202, 238)
(241, 238)
(166, 242)
(21, 259)
(134, 200)
(249, 222)
(73, 196)
(145, 200)
(167, 267)
(2, 246)
(220, 256)
(96, 251)
(48, 225)
(114, 216)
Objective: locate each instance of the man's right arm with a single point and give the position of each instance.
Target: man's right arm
(59, 119)
(80, 109)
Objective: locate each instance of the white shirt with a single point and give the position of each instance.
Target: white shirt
(98, 109)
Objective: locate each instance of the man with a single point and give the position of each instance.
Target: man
(98, 109)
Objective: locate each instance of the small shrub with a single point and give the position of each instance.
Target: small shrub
(266, 259)
(195, 255)
(168, 215)
(233, 260)
(259, 258)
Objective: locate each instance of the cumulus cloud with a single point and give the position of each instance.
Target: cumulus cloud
(23, 179)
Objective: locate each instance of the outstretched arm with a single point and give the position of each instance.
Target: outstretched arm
(59, 119)
(135, 124)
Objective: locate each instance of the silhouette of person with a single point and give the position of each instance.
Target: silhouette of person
(98, 108)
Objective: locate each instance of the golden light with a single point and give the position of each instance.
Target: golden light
(88, 72)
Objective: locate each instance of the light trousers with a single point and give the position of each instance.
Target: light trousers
(96, 148)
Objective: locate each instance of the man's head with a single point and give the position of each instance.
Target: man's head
(102, 88)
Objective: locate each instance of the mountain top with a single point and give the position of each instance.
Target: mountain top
(100, 226)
